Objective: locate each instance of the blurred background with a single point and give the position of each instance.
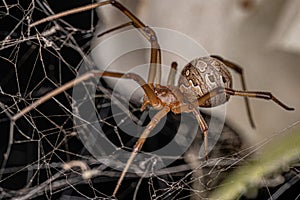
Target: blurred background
(262, 36)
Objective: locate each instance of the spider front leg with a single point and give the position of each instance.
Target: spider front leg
(253, 94)
(239, 70)
(258, 94)
(153, 100)
(139, 144)
(219, 91)
(147, 32)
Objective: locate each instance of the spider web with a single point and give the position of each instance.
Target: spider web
(41, 153)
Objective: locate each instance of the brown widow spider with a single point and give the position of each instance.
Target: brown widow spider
(204, 82)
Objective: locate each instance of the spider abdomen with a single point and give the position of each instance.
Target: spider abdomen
(201, 76)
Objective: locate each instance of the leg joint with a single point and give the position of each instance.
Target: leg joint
(150, 34)
(113, 2)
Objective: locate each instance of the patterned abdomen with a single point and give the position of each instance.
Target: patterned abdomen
(201, 76)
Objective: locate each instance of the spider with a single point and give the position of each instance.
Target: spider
(204, 82)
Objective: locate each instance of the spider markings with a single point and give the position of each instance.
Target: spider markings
(201, 76)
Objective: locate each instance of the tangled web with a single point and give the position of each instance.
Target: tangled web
(41, 153)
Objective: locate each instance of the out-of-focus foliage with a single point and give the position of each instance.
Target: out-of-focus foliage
(275, 157)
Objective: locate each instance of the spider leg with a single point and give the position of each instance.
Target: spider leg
(154, 101)
(147, 32)
(158, 66)
(203, 127)
(116, 28)
(253, 94)
(150, 35)
(193, 107)
(139, 144)
(172, 73)
(239, 70)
